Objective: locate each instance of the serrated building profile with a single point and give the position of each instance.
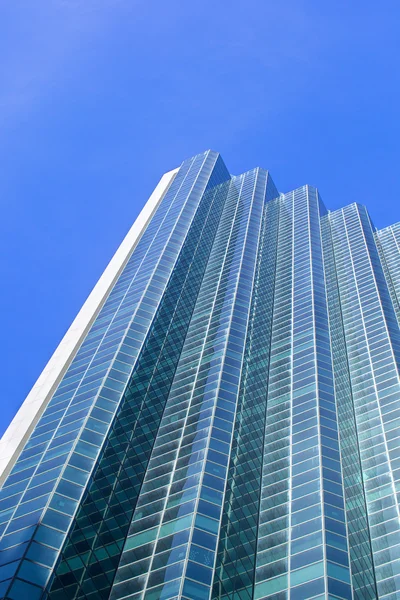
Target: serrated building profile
(222, 418)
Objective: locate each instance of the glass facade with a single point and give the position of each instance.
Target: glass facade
(230, 425)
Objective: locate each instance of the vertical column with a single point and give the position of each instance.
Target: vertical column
(273, 526)
(362, 568)
(372, 343)
(302, 496)
(238, 536)
(170, 550)
(335, 532)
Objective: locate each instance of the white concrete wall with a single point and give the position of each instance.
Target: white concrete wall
(35, 403)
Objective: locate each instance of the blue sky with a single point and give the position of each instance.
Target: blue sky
(99, 97)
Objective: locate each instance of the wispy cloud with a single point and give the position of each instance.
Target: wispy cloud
(40, 42)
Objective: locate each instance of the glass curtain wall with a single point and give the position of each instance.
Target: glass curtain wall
(230, 426)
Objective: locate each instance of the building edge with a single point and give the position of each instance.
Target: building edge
(23, 423)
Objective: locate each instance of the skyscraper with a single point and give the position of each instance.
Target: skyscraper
(222, 419)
